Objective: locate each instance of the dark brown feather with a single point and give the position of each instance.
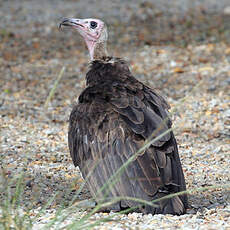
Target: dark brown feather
(114, 117)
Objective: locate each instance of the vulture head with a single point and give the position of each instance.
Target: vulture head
(94, 32)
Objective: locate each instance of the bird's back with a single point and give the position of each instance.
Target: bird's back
(113, 119)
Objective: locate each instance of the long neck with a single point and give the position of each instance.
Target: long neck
(100, 51)
(97, 50)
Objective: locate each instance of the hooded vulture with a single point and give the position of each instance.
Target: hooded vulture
(117, 118)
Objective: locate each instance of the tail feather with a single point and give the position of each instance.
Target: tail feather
(172, 206)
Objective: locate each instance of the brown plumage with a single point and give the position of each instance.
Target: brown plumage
(113, 118)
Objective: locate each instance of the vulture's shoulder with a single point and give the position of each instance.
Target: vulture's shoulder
(112, 88)
(113, 103)
(109, 70)
(111, 78)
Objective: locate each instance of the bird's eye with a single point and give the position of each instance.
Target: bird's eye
(93, 24)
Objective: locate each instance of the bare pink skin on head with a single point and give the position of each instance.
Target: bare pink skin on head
(93, 31)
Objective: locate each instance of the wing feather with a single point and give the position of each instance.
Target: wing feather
(108, 134)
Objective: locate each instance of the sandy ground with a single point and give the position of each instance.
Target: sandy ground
(182, 50)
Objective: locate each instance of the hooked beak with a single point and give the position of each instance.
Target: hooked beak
(73, 22)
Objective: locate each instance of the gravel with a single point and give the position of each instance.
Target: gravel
(194, 78)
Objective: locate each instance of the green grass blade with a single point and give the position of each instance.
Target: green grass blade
(52, 91)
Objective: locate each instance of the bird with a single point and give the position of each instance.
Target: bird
(114, 118)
